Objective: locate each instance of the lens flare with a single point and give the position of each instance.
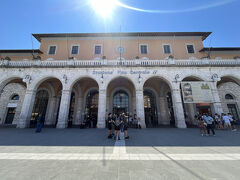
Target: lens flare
(199, 8)
(103, 7)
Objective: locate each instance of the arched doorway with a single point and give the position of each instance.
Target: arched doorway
(150, 109)
(91, 108)
(12, 92)
(84, 107)
(156, 102)
(191, 109)
(229, 91)
(120, 102)
(47, 101)
(121, 97)
(40, 106)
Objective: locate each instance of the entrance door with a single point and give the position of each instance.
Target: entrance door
(10, 115)
(150, 109)
(40, 106)
(91, 109)
(120, 103)
(233, 110)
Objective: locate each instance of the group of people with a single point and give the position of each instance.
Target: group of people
(208, 123)
(117, 123)
(134, 122)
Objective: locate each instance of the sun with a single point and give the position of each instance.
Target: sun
(103, 7)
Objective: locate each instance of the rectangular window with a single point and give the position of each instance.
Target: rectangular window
(143, 49)
(52, 50)
(98, 49)
(190, 49)
(167, 49)
(75, 49)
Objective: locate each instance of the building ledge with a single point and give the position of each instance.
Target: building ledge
(117, 63)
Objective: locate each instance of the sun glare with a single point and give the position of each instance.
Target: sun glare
(103, 7)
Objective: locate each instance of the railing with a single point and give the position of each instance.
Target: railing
(112, 63)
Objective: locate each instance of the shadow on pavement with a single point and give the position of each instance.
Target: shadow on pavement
(98, 137)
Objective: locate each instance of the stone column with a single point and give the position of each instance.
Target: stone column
(140, 106)
(55, 113)
(102, 102)
(191, 113)
(27, 107)
(50, 112)
(178, 108)
(217, 105)
(163, 112)
(64, 109)
(79, 105)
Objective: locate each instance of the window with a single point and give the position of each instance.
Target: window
(75, 49)
(15, 97)
(143, 49)
(190, 49)
(52, 50)
(228, 96)
(167, 49)
(98, 49)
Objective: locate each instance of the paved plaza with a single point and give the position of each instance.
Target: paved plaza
(164, 153)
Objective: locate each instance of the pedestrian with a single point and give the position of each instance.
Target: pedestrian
(39, 123)
(139, 123)
(223, 122)
(209, 121)
(233, 122)
(135, 124)
(227, 121)
(117, 124)
(125, 128)
(201, 125)
(110, 124)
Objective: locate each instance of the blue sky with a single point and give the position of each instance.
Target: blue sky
(20, 18)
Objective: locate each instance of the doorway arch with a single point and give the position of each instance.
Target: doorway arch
(120, 102)
(150, 109)
(40, 106)
(91, 107)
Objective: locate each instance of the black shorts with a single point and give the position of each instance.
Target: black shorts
(110, 127)
(125, 128)
(117, 128)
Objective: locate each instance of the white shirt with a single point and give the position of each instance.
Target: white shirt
(226, 119)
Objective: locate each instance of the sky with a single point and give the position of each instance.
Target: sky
(20, 18)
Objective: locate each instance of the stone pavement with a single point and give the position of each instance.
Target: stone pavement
(148, 154)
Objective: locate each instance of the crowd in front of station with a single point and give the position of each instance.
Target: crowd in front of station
(119, 122)
(208, 123)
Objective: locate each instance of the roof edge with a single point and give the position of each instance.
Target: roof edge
(220, 49)
(116, 34)
(21, 51)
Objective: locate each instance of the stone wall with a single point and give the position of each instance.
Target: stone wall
(8, 92)
(232, 89)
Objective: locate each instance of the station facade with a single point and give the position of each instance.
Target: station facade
(72, 77)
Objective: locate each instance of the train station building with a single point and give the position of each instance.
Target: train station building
(165, 78)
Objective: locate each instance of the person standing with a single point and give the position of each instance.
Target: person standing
(125, 128)
(139, 123)
(117, 124)
(209, 121)
(201, 125)
(39, 123)
(227, 121)
(110, 125)
(232, 121)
